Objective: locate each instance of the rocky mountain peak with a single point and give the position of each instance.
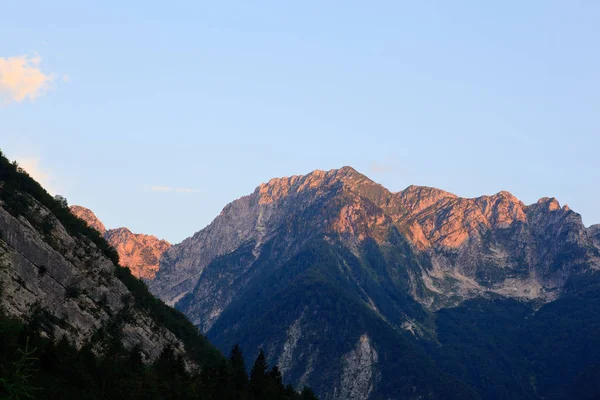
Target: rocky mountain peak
(140, 252)
(417, 198)
(550, 203)
(316, 180)
(502, 209)
(88, 216)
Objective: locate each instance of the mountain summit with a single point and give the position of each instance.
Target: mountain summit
(474, 246)
(140, 252)
(333, 269)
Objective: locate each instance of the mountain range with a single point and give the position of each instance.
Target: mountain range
(365, 293)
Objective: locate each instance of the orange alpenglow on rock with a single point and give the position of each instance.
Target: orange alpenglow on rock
(140, 253)
(88, 216)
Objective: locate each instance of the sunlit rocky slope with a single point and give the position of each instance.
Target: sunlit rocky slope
(465, 247)
(140, 252)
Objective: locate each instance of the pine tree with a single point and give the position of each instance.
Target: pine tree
(274, 387)
(238, 365)
(258, 376)
(275, 374)
(18, 379)
(307, 394)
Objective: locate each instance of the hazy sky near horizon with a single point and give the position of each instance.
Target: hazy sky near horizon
(155, 115)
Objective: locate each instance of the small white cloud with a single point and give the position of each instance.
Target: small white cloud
(161, 189)
(66, 78)
(21, 78)
(166, 189)
(32, 166)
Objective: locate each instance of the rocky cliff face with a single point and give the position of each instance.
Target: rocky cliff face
(70, 284)
(60, 277)
(139, 252)
(594, 231)
(308, 266)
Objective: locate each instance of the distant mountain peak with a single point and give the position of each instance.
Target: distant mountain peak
(140, 252)
(88, 216)
(550, 202)
(277, 188)
(417, 198)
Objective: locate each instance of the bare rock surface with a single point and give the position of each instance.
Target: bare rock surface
(140, 252)
(70, 285)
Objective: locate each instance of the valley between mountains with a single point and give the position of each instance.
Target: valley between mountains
(363, 293)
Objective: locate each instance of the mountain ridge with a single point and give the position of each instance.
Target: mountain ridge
(449, 223)
(137, 251)
(401, 256)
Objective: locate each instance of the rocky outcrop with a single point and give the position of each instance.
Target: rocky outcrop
(139, 252)
(359, 374)
(286, 358)
(594, 231)
(251, 218)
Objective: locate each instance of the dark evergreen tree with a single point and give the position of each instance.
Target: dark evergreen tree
(274, 388)
(275, 375)
(135, 358)
(258, 376)
(172, 365)
(238, 367)
(307, 394)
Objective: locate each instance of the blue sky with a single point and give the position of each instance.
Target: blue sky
(155, 115)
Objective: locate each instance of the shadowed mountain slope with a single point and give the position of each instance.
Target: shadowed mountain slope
(331, 269)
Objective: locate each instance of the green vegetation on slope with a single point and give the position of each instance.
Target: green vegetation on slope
(505, 349)
(489, 348)
(310, 290)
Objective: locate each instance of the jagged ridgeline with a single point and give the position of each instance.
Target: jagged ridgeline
(76, 325)
(364, 293)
